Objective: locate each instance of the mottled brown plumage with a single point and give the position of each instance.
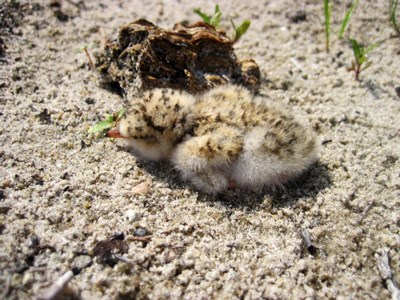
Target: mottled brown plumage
(222, 137)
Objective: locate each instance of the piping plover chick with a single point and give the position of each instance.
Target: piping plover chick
(221, 139)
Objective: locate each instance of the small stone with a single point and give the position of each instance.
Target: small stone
(87, 204)
(34, 241)
(140, 232)
(132, 215)
(6, 183)
(90, 101)
(27, 279)
(82, 261)
(142, 189)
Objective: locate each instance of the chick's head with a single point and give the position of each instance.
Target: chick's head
(157, 121)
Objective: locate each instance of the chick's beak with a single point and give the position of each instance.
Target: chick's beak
(114, 133)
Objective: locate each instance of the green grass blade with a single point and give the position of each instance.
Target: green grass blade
(327, 12)
(362, 59)
(392, 14)
(108, 122)
(102, 125)
(347, 18)
(217, 10)
(372, 47)
(356, 49)
(367, 65)
(239, 31)
(206, 18)
(120, 114)
(233, 25)
(216, 19)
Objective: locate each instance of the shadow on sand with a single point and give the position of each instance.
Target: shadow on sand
(308, 185)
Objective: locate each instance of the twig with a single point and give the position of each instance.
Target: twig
(57, 287)
(305, 235)
(357, 71)
(174, 247)
(386, 273)
(365, 211)
(89, 58)
(144, 239)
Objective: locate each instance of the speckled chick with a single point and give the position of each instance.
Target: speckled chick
(157, 121)
(224, 138)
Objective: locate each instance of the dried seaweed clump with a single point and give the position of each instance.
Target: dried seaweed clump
(189, 57)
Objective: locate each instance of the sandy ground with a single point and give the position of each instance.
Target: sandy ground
(62, 190)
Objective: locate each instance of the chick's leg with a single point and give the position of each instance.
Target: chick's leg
(205, 160)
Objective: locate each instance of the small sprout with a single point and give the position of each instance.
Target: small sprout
(216, 19)
(211, 20)
(120, 114)
(109, 122)
(392, 15)
(239, 31)
(103, 125)
(347, 18)
(206, 18)
(360, 62)
(327, 13)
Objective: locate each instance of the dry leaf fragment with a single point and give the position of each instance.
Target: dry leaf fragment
(106, 250)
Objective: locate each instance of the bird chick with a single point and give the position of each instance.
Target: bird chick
(155, 122)
(223, 138)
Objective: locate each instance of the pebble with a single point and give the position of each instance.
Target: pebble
(132, 215)
(27, 279)
(140, 232)
(141, 189)
(81, 261)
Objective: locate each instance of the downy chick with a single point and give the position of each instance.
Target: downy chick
(224, 138)
(155, 122)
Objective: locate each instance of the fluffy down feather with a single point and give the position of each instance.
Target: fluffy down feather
(223, 138)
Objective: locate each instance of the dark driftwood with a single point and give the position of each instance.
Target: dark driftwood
(189, 57)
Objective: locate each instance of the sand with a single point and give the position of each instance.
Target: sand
(63, 190)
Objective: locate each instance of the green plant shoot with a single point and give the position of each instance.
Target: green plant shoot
(327, 13)
(107, 123)
(215, 20)
(239, 31)
(206, 18)
(392, 15)
(347, 18)
(360, 62)
(211, 20)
